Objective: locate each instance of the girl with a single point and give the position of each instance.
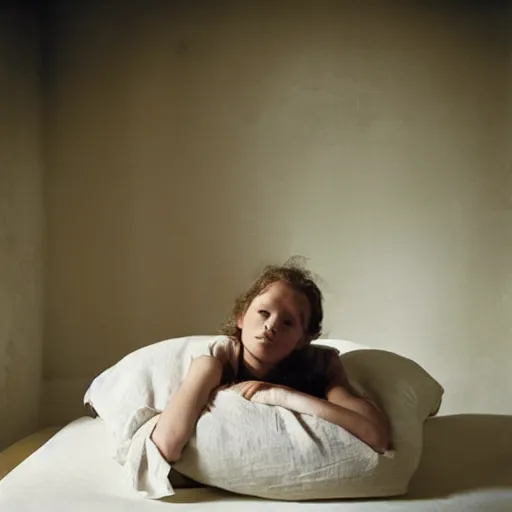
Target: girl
(268, 359)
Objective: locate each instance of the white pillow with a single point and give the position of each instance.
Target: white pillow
(260, 450)
(273, 453)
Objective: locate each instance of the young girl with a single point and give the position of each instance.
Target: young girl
(268, 359)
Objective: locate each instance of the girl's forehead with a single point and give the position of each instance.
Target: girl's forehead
(284, 294)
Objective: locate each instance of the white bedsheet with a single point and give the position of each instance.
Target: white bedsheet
(74, 472)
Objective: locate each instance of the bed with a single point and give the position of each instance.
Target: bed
(466, 466)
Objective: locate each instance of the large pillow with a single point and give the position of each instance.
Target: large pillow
(273, 453)
(267, 451)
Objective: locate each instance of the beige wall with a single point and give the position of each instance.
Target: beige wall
(187, 146)
(21, 224)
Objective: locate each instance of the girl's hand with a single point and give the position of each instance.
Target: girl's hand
(261, 392)
(250, 388)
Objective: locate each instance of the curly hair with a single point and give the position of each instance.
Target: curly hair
(300, 279)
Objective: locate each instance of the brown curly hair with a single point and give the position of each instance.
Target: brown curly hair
(300, 279)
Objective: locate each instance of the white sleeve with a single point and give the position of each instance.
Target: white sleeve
(148, 471)
(227, 351)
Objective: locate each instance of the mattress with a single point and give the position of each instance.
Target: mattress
(466, 467)
(19, 451)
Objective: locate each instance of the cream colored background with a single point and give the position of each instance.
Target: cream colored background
(187, 146)
(21, 224)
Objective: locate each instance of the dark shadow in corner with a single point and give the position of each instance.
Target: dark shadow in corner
(464, 453)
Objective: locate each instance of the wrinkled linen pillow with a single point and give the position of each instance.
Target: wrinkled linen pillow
(273, 453)
(261, 450)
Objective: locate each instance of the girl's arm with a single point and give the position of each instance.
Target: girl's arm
(341, 393)
(340, 396)
(351, 414)
(177, 422)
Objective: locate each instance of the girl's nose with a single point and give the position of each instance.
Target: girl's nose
(270, 325)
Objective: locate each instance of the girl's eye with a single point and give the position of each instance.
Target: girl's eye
(288, 323)
(263, 313)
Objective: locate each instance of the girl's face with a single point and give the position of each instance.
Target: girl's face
(273, 326)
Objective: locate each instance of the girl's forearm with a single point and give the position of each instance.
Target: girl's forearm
(352, 421)
(364, 406)
(177, 421)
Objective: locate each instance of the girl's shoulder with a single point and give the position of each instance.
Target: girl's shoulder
(223, 346)
(326, 361)
(321, 356)
(228, 351)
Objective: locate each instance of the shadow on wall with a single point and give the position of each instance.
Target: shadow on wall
(155, 132)
(462, 453)
(187, 143)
